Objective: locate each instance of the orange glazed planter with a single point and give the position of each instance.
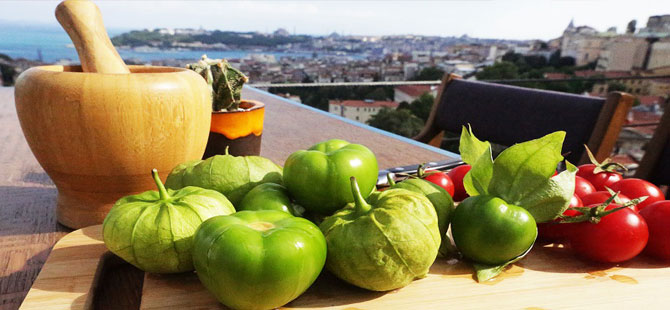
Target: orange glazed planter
(98, 135)
(237, 131)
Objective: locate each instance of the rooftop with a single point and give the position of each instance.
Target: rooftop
(415, 90)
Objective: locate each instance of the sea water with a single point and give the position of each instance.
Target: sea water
(51, 44)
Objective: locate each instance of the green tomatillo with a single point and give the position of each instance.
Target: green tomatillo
(318, 178)
(233, 176)
(383, 243)
(269, 196)
(441, 200)
(154, 230)
(488, 230)
(258, 259)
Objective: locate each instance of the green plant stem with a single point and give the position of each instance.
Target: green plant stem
(362, 206)
(390, 180)
(161, 188)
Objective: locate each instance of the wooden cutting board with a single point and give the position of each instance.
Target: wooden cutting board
(548, 278)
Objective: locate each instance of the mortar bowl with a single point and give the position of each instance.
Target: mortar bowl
(99, 135)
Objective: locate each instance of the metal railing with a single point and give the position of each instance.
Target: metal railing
(437, 82)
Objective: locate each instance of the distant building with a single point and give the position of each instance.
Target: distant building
(659, 55)
(421, 56)
(657, 26)
(582, 43)
(281, 32)
(410, 70)
(409, 93)
(623, 53)
(460, 67)
(359, 110)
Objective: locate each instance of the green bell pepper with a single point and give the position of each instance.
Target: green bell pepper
(258, 259)
(269, 196)
(318, 178)
(488, 230)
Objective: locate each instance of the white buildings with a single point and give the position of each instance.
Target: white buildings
(359, 110)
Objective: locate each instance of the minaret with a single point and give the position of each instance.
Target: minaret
(571, 25)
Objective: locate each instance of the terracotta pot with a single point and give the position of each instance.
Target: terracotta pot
(99, 135)
(239, 131)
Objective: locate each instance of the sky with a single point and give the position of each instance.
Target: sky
(504, 19)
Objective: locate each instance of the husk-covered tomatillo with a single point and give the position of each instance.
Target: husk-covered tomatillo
(154, 230)
(233, 176)
(383, 243)
(441, 200)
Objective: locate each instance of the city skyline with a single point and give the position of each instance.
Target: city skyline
(513, 19)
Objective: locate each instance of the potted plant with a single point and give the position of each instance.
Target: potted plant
(237, 125)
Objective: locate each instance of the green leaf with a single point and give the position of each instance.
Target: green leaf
(470, 147)
(551, 197)
(519, 169)
(487, 272)
(476, 181)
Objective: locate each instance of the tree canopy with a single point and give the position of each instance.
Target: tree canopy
(401, 122)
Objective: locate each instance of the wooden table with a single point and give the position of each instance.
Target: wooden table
(28, 227)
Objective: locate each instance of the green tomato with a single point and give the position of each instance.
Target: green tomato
(318, 178)
(441, 200)
(258, 259)
(488, 230)
(154, 230)
(269, 196)
(384, 243)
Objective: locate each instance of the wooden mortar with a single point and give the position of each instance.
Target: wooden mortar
(98, 134)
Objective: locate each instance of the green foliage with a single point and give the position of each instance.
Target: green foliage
(616, 86)
(401, 122)
(630, 28)
(517, 66)
(154, 38)
(421, 106)
(318, 97)
(8, 73)
(521, 174)
(429, 74)
(377, 94)
(504, 70)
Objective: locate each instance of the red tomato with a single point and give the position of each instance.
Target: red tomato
(597, 198)
(657, 216)
(583, 187)
(636, 188)
(554, 232)
(457, 174)
(618, 237)
(442, 180)
(600, 179)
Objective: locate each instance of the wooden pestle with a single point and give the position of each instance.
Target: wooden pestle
(82, 21)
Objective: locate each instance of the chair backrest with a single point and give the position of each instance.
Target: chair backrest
(655, 164)
(508, 114)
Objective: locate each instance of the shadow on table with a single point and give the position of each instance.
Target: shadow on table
(560, 259)
(110, 282)
(28, 211)
(17, 283)
(328, 290)
(37, 177)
